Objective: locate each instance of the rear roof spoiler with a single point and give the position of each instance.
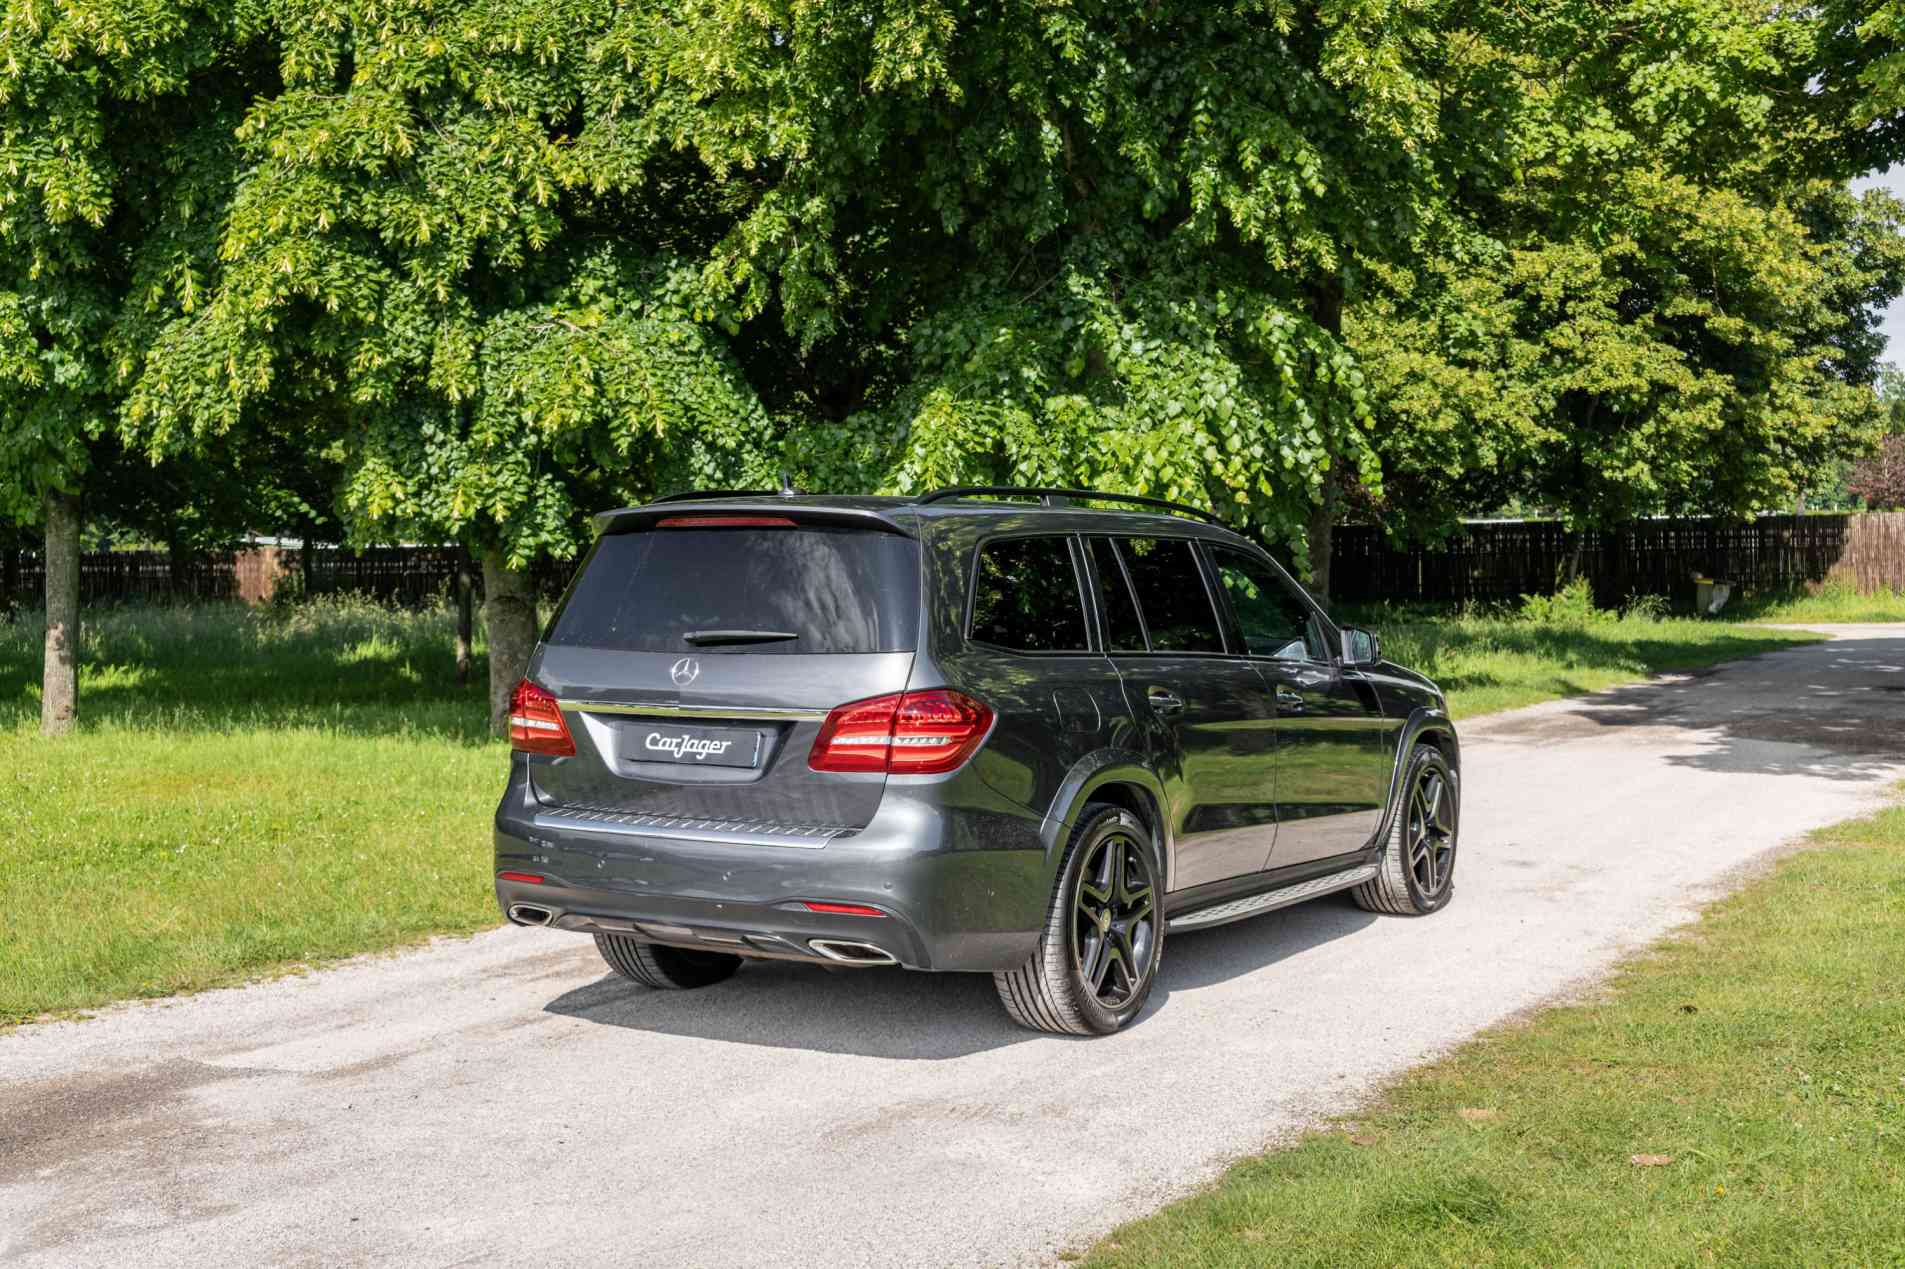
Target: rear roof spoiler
(630, 519)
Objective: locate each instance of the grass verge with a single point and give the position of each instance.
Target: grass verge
(1489, 662)
(1736, 1097)
(1833, 601)
(249, 791)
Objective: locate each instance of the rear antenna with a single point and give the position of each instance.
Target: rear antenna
(787, 485)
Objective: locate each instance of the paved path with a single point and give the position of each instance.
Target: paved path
(501, 1099)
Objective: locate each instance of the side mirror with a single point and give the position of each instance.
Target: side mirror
(1360, 647)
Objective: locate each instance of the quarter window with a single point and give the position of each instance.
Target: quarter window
(1177, 608)
(1026, 597)
(1274, 619)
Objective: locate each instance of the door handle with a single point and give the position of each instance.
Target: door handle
(1292, 701)
(1165, 701)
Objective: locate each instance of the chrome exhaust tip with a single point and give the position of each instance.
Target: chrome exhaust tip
(530, 914)
(848, 953)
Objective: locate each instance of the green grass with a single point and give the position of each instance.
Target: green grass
(249, 791)
(253, 790)
(1831, 602)
(1762, 1053)
(1494, 661)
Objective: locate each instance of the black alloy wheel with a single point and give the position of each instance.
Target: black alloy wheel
(1114, 919)
(1430, 831)
(1415, 874)
(1098, 956)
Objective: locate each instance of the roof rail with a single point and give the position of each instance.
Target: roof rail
(1046, 496)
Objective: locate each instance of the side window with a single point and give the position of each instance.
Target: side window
(1124, 632)
(1275, 621)
(1177, 609)
(1026, 597)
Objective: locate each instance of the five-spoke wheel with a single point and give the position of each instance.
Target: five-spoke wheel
(1416, 874)
(1115, 919)
(1103, 937)
(1431, 829)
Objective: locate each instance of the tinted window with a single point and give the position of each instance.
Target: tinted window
(833, 590)
(1123, 631)
(1171, 593)
(1026, 597)
(1275, 621)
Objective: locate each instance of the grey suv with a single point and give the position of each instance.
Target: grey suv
(988, 730)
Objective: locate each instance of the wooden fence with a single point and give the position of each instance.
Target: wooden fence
(1504, 559)
(406, 575)
(1487, 560)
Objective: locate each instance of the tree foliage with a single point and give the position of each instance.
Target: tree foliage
(1879, 478)
(116, 158)
(507, 261)
(1669, 309)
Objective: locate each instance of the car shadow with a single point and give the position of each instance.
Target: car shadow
(1833, 711)
(927, 1017)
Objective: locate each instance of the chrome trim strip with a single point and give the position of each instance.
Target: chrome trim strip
(674, 828)
(690, 711)
(1250, 905)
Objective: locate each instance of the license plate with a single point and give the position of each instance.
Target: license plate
(692, 746)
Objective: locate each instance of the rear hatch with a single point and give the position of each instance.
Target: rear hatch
(698, 653)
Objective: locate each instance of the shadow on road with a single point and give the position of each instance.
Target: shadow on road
(1835, 711)
(898, 1014)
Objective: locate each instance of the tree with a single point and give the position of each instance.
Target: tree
(503, 309)
(114, 152)
(545, 255)
(1669, 309)
(535, 257)
(1106, 245)
(1879, 478)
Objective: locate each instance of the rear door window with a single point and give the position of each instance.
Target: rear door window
(776, 590)
(1171, 592)
(1025, 596)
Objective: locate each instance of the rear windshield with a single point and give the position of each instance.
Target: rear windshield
(832, 590)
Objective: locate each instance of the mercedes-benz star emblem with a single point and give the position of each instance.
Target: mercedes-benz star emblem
(685, 671)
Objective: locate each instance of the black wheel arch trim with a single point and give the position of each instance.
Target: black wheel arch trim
(1089, 776)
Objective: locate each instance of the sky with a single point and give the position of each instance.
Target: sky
(1894, 180)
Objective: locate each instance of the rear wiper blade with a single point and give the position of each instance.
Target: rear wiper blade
(706, 638)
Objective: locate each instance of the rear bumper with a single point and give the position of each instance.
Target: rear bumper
(959, 873)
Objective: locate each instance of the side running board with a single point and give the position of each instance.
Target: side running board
(1251, 905)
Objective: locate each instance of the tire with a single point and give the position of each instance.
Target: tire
(665, 968)
(1106, 912)
(1416, 874)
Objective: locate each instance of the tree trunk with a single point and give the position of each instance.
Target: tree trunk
(465, 605)
(509, 617)
(307, 566)
(59, 675)
(1322, 538)
(1571, 566)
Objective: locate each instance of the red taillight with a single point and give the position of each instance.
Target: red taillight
(527, 878)
(856, 737)
(725, 522)
(914, 733)
(843, 909)
(535, 723)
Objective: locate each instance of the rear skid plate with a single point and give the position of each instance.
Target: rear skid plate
(753, 943)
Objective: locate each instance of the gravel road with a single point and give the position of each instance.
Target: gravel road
(501, 1098)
